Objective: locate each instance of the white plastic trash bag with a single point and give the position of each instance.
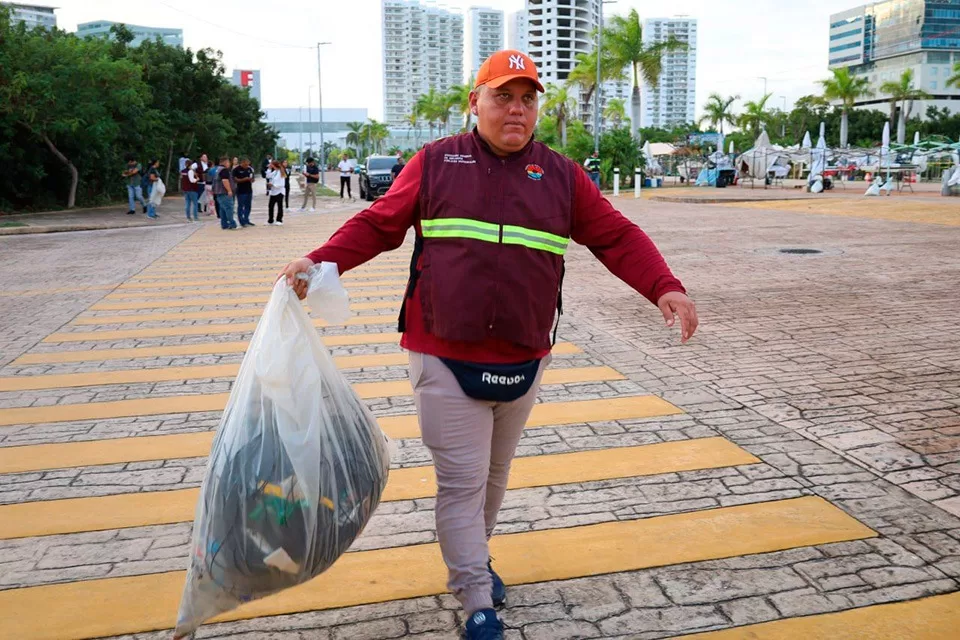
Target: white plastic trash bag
(297, 468)
(157, 191)
(326, 295)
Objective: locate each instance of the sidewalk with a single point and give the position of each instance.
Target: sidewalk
(113, 217)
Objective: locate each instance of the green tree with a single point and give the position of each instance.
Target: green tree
(558, 102)
(718, 111)
(954, 79)
(355, 136)
(903, 92)
(459, 101)
(624, 40)
(584, 73)
(756, 116)
(615, 111)
(375, 133)
(806, 113)
(845, 88)
(429, 107)
(66, 94)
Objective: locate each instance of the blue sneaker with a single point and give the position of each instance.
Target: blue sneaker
(499, 592)
(483, 625)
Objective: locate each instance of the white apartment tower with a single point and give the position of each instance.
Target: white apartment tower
(674, 101)
(32, 15)
(517, 32)
(422, 49)
(557, 30)
(484, 36)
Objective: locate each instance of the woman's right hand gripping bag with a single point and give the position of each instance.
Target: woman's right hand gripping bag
(297, 467)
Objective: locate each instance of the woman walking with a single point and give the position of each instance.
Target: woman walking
(275, 185)
(286, 183)
(157, 188)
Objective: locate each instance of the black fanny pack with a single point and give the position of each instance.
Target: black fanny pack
(494, 382)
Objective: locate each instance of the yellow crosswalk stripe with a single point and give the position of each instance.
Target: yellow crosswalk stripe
(934, 618)
(225, 291)
(206, 348)
(205, 302)
(256, 312)
(194, 445)
(218, 275)
(115, 606)
(210, 329)
(76, 515)
(217, 401)
(198, 372)
(267, 278)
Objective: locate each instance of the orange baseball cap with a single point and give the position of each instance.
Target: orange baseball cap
(507, 65)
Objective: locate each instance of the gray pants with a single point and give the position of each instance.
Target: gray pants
(472, 443)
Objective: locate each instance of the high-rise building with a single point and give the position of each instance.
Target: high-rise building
(674, 100)
(557, 30)
(484, 36)
(422, 50)
(101, 28)
(32, 15)
(249, 78)
(517, 31)
(882, 40)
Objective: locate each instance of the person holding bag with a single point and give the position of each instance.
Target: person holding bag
(493, 211)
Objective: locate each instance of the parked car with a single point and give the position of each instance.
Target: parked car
(374, 176)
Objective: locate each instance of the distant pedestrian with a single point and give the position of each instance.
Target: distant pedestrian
(345, 170)
(286, 183)
(204, 193)
(243, 177)
(188, 185)
(592, 165)
(134, 187)
(266, 167)
(211, 179)
(275, 180)
(223, 190)
(157, 188)
(233, 183)
(312, 175)
(398, 167)
(183, 163)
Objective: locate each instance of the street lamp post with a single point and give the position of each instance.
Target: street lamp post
(764, 83)
(598, 91)
(783, 124)
(310, 117)
(323, 158)
(300, 144)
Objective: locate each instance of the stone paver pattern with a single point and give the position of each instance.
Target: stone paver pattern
(838, 370)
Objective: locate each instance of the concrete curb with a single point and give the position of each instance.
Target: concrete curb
(19, 231)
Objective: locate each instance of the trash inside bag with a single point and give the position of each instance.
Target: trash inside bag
(297, 468)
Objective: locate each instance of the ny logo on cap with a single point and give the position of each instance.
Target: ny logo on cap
(516, 62)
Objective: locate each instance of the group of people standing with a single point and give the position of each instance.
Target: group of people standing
(143, 186)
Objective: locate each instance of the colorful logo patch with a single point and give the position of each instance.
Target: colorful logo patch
(534, 171)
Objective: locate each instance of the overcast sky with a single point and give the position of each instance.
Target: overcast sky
(740, 40)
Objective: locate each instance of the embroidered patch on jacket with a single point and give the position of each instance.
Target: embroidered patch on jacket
(534, 171)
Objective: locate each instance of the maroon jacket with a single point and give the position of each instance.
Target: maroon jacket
(430, 189)
(498, 290)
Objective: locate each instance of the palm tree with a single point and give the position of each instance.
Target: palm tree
(616, 111)
(755, 115)
(624, 40)
(460, 97)
(717, 111)
(375, 133)
(845, 89)
(905, 93)
(558, 102)
(355, 137)
(413, 119)
(448, 102)
(954, 80)
(427, 107)
(584, 74)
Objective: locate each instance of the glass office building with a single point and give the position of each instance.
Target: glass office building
(101, 28)
(880, 41)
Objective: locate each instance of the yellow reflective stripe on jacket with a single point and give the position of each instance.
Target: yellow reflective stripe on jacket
(489, 232)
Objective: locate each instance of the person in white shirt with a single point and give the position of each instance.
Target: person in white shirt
(345, 170)
(275, 188)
